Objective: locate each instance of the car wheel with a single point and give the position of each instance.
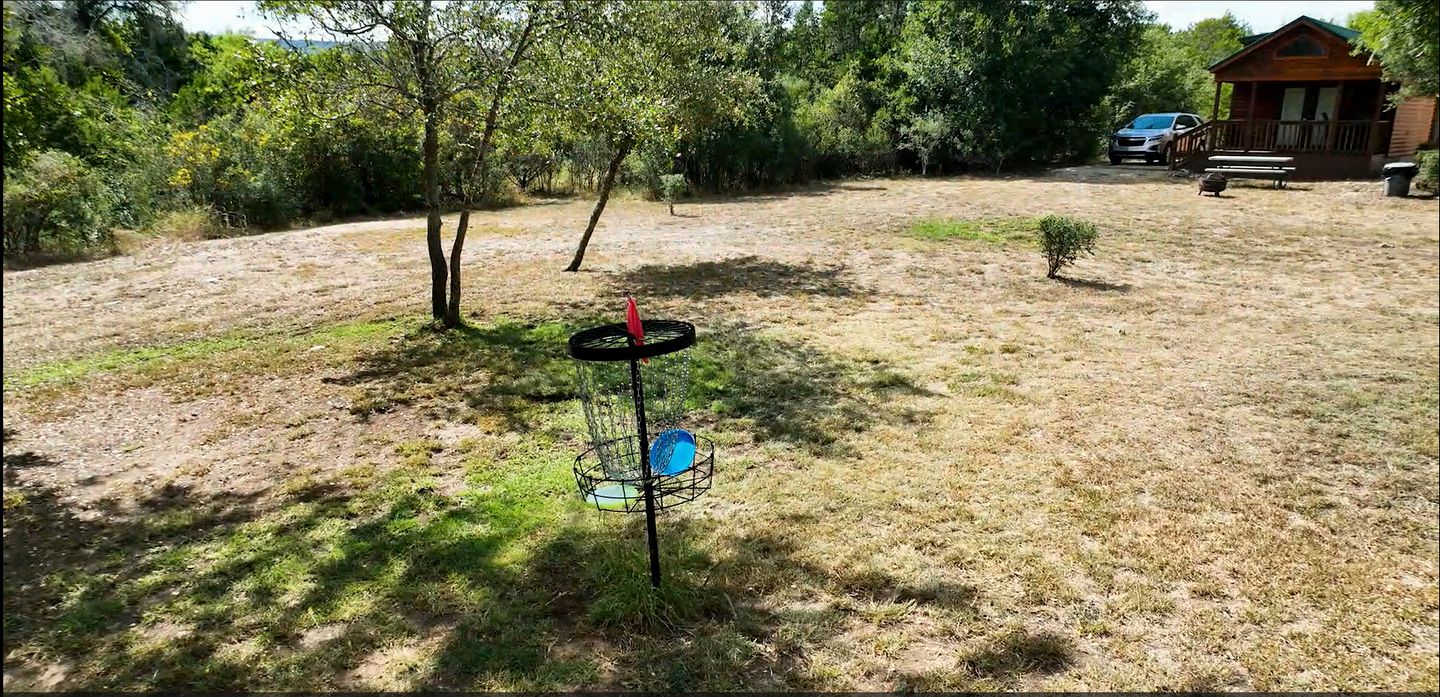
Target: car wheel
(1114, 160)
(1165, 155)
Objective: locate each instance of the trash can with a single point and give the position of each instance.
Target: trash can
(1397, 177)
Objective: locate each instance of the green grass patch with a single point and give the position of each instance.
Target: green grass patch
(249, 351)
(74, 370)
(993, 230)
(987, 383)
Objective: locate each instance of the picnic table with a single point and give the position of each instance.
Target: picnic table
(1273, 167)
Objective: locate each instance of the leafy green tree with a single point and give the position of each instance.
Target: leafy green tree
(1163, 75)
(804, 45)
(1405, 36)
(651, 72)
(232, 71)
(672, 187)
(1209, 40)
(55, 96)
(765, 31)
(139, 44)
(843, 125)
(1020, 82)
(861, 33)
(418, 59)
(226, 164)
(153, 49)
(93, 15)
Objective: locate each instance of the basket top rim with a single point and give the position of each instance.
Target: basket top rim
(611, 342)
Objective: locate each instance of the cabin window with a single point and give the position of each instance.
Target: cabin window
(1302, 47)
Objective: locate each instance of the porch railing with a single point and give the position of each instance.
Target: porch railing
(1275, 135)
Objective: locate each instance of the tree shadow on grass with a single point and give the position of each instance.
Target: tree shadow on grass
(709, 279)
(520, 374)
(508, 369)
(1095, 285)
(789, 391)
(704, 628)
(1001, 663)
(63, 564)
(380, 581)
(810, 190)
(182, 591)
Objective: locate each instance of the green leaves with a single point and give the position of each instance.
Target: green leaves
(1405, 36)
(1167, 73)
(1064, 239)
(1020, 82)
(56, 204)
(659, 71)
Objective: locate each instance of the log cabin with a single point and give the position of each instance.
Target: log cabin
(1303, 91)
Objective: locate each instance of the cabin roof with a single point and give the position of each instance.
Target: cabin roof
(1247, 42)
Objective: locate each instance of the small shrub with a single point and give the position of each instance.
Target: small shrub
(1065, 239)
(56, 204)
(672, 187)
(1429, 176)
(227, 165)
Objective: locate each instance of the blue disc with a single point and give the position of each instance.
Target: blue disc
(672, 452)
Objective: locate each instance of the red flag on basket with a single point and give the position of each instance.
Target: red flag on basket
(633, 326)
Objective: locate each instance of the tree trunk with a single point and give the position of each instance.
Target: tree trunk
(605, 185)
(452, 314)
(432, 214)
(672, 207)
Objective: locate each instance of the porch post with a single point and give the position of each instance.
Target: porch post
(1250, 118)
(1215, 110)
(1375, 120)
(1332, 129)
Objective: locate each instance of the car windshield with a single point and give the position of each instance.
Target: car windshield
(1152, 121)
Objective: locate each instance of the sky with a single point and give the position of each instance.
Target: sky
(216, 16)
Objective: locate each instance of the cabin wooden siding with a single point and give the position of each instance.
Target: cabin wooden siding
(1261, 60)
(1356, 103)
(1414, 126)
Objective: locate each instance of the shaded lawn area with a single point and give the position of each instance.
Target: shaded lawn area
(398, 571)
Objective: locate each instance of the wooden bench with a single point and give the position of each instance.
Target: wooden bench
(1253, 167)
(1277, 175)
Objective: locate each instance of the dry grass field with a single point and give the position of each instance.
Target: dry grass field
(1204, 459)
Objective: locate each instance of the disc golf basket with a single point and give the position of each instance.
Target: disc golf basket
(633, 391)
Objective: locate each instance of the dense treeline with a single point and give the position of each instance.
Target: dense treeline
(116, 119)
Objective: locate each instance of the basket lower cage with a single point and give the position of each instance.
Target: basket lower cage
(673, 482)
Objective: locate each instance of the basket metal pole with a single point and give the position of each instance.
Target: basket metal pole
(638, 393)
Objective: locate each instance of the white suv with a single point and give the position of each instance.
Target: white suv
(1149, 136)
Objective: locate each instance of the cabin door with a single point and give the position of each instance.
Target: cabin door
(1326, 102)
(1292, 111)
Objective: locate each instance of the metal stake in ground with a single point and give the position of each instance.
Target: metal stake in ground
(637, 387)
